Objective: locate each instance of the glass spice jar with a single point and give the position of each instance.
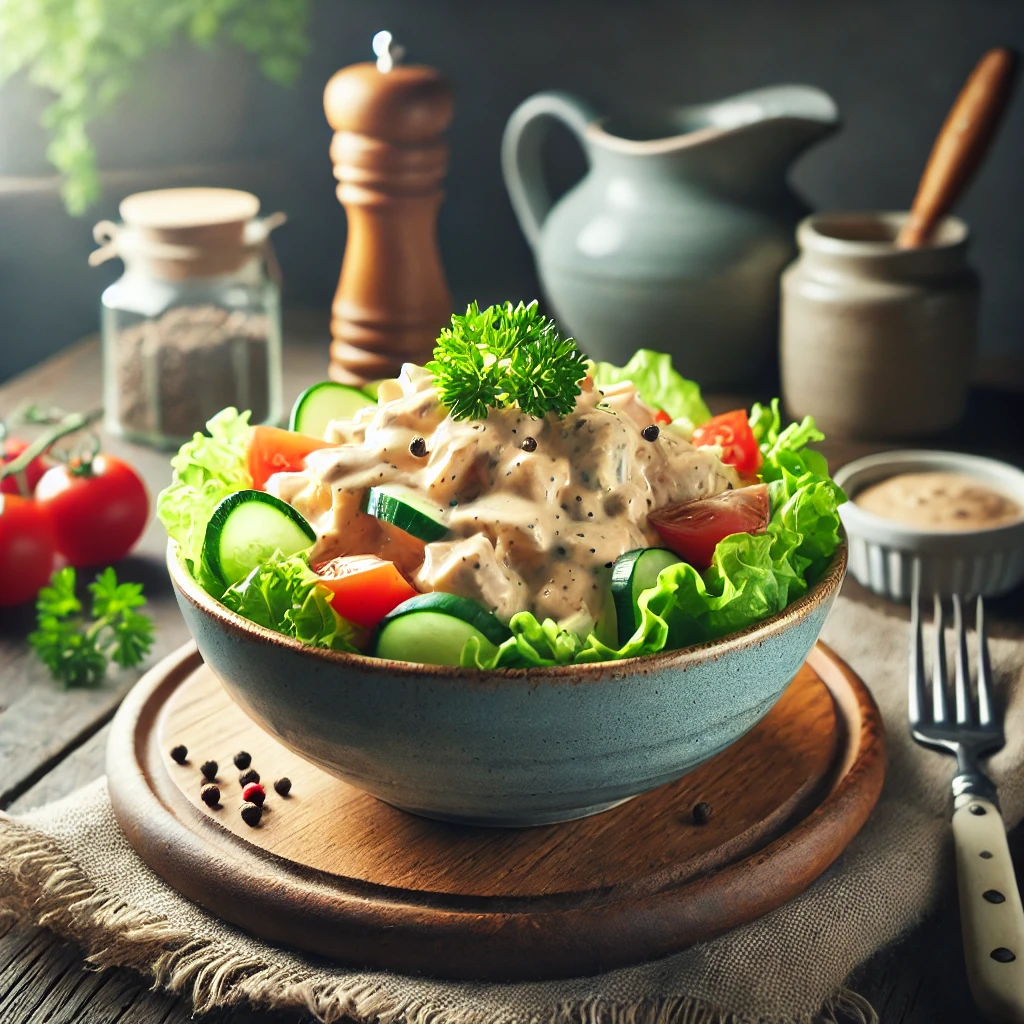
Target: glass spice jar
(194, 323)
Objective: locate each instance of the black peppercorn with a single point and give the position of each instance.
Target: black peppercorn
(209, 770)
(251, 814)
(283, 786)
(210, 794)
(242, 760)
(650, 433)
(529, 444)
(179, 753)
(250, 776)
(702, 813)
(418, 447)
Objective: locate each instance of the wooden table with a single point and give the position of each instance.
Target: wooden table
(52, 740)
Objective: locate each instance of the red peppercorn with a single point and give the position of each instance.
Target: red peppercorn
(254, 793)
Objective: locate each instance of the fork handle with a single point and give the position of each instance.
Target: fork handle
(991, 915)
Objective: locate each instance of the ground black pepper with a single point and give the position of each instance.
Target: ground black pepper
(174, 372)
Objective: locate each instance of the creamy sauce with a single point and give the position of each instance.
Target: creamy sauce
(939, 501)
(531, 528)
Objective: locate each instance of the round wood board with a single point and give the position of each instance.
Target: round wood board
(333, 871)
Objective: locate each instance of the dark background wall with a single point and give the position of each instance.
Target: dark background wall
(199, 117)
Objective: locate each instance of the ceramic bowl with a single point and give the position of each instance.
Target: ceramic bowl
(966, 562)
(511, 747)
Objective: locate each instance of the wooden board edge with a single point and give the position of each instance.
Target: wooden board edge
(484, 941)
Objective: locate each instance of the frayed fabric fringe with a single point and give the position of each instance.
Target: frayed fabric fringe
(40, 884)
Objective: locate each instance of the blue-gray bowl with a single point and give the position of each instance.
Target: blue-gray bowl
(511, 747)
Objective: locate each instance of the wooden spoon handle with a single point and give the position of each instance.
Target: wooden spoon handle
(964, 139)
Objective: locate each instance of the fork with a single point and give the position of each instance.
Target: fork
(991, 915)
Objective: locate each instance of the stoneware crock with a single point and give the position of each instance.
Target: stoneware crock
(878, 341)
(511, 747)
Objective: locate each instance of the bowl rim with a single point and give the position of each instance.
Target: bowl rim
(884, 465)
(820, 591)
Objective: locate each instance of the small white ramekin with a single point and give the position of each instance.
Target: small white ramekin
(966, 562)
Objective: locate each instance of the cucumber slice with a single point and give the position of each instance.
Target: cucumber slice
(323, 402)
(633, 573)
(433, 629)
(246, 528)
(409, 511)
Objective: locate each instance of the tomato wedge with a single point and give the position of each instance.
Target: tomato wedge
(364, 587)
(662, 418)
(692, 529)
(273, 450)
(732, 432)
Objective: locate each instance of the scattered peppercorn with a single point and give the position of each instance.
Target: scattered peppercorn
(242, 760)
(529, 444)
(250, 776)
(254, 793)
(179, 753)
(210, 794)
(702, 813)
(283, 786)
(650, 433)
(418, 447)
(251, 814)
(209, 770)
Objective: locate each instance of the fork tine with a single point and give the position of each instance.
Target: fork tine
(964, 706)
(984, 668)
(917, 699)
(939, 675)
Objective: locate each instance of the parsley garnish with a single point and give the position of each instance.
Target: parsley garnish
(76, 652)
(503, 356)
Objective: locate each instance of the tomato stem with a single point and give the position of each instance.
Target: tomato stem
(70, 424)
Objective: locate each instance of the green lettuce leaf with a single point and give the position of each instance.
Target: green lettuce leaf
(751, 576)
(285, 595)
(658, 385)
(206, 469)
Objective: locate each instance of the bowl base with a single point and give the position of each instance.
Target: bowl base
(517, 821)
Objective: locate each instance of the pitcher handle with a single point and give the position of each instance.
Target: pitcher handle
(521, 153)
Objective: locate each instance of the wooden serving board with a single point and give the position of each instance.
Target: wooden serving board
(333, 871)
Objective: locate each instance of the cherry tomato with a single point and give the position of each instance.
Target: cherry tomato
(98, 513)
(662, 418)
(732, 431)
(364, 587)
(13, 447)
(692, 529)
(26, 549)
(272, 450)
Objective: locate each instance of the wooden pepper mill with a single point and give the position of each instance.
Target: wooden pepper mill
(390, 160)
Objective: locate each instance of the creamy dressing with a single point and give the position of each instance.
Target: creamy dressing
(939, 501)
(534, 524)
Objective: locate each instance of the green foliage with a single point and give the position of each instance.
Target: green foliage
(503, 356)
(87, 53)
(77, 652)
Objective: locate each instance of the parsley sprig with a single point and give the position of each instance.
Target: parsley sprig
(503, 356)
(76, 652)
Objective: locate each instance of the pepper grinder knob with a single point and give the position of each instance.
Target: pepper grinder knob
(390, 160)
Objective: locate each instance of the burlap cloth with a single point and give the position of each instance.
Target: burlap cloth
(68, 867)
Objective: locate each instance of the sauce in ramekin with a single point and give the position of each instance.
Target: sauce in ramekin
(939, 501)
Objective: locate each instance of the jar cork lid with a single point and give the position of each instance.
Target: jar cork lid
(186, 232)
